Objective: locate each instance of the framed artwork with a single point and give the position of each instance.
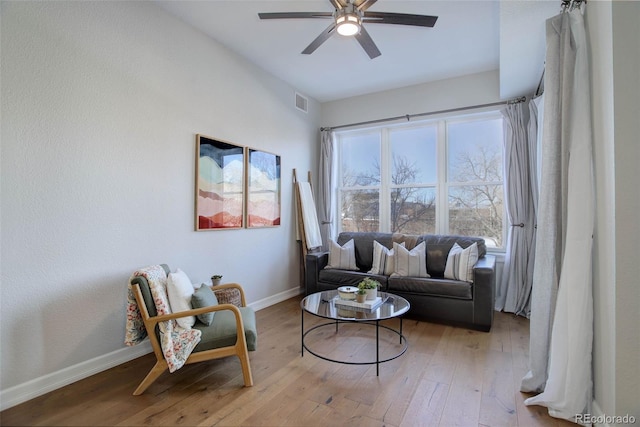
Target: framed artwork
(263, 189)
(219, 184)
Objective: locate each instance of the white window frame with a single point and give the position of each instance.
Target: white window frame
(442, 184)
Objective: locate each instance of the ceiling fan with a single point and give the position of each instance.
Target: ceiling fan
(348, 19)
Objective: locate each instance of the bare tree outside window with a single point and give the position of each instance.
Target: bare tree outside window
(476, 208)
(413, 209)
(360, 210)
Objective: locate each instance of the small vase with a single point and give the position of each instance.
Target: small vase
(361, 297)
(372, 294)
(215, 282)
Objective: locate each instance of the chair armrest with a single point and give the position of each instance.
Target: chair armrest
(232, 286)
(314, 263)
(484, 285)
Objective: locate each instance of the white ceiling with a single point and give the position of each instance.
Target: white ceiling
(469, 37)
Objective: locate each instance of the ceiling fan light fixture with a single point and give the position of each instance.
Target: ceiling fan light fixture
(348, 22)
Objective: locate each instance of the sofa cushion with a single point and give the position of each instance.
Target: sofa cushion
(222, 331)
(438, 247)
(460, 263)
(343, 256)
(348, 278)
(410, 262)
(430, 286)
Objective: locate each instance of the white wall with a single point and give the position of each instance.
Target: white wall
(101, 102)
(626, 83)
(613, 33)
(598, 23)
(474, 89)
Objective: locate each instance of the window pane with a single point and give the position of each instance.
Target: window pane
(360, 210)
(475, 151)
(413, 210)
(360, 160)
(476, 210)
(413, 154)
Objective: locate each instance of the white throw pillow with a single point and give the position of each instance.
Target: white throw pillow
(384, 261)
(460, 263)
(411, 262)
(179, 291)
(342, 257)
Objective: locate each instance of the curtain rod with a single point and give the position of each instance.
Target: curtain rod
(408, 117)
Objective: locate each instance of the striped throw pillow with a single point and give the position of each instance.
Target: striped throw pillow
(411, 262)
(342, 257)
(383, 259)
(460, 263)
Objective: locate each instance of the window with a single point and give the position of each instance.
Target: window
(360, 177)
(439, 177)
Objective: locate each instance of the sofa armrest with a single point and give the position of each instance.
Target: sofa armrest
(314, 263)
(484, 285)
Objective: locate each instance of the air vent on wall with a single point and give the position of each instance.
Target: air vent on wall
(302, 103)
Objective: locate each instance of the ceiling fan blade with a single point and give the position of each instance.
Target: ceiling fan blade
(287, 15)
(338, 4)
(399, 18)
(364, 4)
(319, 40)
(367, 43)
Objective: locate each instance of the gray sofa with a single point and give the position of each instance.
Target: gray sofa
(435, 298)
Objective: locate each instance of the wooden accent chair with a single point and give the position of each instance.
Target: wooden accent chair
(232, 332)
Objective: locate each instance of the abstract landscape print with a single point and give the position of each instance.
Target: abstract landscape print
(263, 189)
(219, 184)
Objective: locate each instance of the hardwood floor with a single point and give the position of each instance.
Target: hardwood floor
(448, 376)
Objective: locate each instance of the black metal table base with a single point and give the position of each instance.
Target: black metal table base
(376, 323)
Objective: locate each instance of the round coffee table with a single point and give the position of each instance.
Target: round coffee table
(323, 304)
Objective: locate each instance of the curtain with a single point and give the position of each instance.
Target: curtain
(536, 112)
(561, 327)
(325, 193)
(514, 291)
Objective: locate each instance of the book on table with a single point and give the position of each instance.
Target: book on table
(352, 304)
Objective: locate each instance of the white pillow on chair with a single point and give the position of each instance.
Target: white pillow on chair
(179, 291)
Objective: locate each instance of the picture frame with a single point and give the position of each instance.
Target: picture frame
(220, 185)
(263, 179)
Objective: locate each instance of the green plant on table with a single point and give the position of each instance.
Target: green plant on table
(369, 283)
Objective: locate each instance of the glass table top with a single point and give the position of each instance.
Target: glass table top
(323, 304)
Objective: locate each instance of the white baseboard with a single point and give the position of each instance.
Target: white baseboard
(55, 380)
(22, 392)
(274, 299)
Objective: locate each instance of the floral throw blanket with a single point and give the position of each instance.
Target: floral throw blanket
(177, 343)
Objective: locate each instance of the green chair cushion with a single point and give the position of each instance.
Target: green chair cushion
(222, 331)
